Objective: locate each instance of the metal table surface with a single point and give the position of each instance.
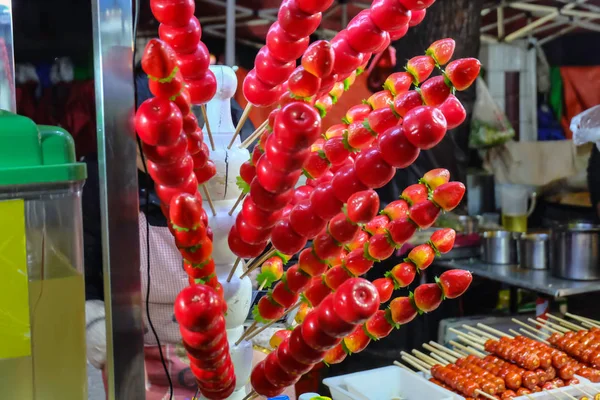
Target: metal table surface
(538, 281)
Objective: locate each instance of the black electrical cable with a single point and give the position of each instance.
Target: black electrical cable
(147, 182)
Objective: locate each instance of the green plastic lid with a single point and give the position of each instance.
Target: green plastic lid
(32, 154)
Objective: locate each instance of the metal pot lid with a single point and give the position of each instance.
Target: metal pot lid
(578, 227)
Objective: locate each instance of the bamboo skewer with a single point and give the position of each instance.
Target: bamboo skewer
(553, 325)
(524, 325)
(425, 357)
(253, 334)
(453, 353)
(235, 265)
(474, 339)
(237, 203)
(545, 326)
(583, 391)
(250, 396)
(258, 262)
(209, 199)
(440, 360)
(262, 285)
(565, 323)
(255, 135)
(238, 128)
(480, 332)
(417, 361)
(468, 350)
(404, 367)
(439, 353)
(539, 339)
(492, 330)
(467, 340)
(208, 132)
(415, 365)
(582, 319)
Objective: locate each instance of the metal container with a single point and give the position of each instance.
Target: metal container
(576, 252)
(499, 247)
(534, 251)
(469, 224)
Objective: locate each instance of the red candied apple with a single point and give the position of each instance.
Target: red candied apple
(202, 89)
(381, 99)
(190, 124)
(187, 237)
(313, 6)
(389, 15)
(267, 310)
(403, 274)
(199, 253)
(258, 217)
(407, 101)
(420, 67)
(377, 225)
(295, 279)
(357, 113)
(241, 248)
(330, 320)
(396, 209)
(443, 240)
(314, 336)
(204, 340)
(422, 256)
(335, 150)
(297, 126)
(284, 47)
(356, 300)
(325, 201)
(247, 172)
(196, 145)
(435, 91)
(342, 229)
(166, 193)
(288, 362)
(304, 221)
(168, 88)
(256, 153)
(336, 276)
(424, 213)
(158, 122)
(318, 59)
(357, 341)
(442, 50)
(402, 310)
(345, 183)
(271, 71)
(173, 12)
(268, 201)
(399, 33)
(385, 288)
(462, 73)
(198, 308)
(346, 59)
(359, 241)
(414, 194)
(416, 17)
(300, 350)
(257, 92)
(380, 247)
(183, 39)
(425, 127)
(335, 355)
(171, 174)
(209, 353)
(295, 22)
(372, 170)
(310, 264)
(205, 173)
(283, 296)
(378, 326)
(428, 297)
(301, 193)
(357, 263)
(193, 65)
(185, 212)
(435, 178)
(183, 101)
(398, 82)
(285, 239)
(362, 206)
(416, 4)
(199, 271)
(454, 282)
(274, 180)
(453, 111)
(401, 230)
(449, 195)
(326, 247)
(158, 60)
(303, 84)
(381, 120)
(164, 155)
(362, 33)
(275, 373)
(260, 383)
(396, 149)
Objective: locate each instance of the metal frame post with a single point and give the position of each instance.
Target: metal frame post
(7, 58)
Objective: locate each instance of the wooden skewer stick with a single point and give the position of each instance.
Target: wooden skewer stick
(567, 394)
(237, 203)
(553, 395)
(262, 328)
(480, 332)
(553, 325)
(544, 325)
(247, 332)
(251, 395)
(415, 365)
(258, 262)
(235, 265)
(404, 367)
(209, 199)
(416, 360)
(466, 349)
(581, 319)
(533, 336)
(208, 132)
(238, 128)
(440, 360)
(441, 354)
(531, 328)
(492, 330)
(588, 325)
(591, 396)
(262, 285)
(425, 357)
(467, 340)
(467, 336)
(453, 353)
(255, 135)
(565, 323)
(484, 394)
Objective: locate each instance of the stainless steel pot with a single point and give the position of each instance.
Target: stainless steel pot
(576, 252)
(534, 251)
(499, 247)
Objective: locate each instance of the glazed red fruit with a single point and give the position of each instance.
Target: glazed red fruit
(190, 123)
(198, 254)
(414, 194)
(422, 256)
(449, 195)
(396, 209)
(425, 127)
(268, 310)
(381, 120)
(324, 104)
(275, 374)
(428, 297)
(315, 165)
(325, 246)
(380, 247)
(193, 65)
(295, 22)
(322, 180)
(442, 50)
(284, 47)
(274, 180)
(347, 60)
(288, 363)
(326, 203)
(203, 340)
(420, 67)
(158, 122)
(268, 201)
(335, 150)
(330, 320)
(453, 111)
(250, 234)
(362, 206)
(295, 279)
(285, 239)
(455, 282)
(416, 4)
(402, 310)
(435, 178)
(301, 193)
(257, 92)
(318, 59)
(416, 17)
(395, 148)
(372, 170)
(356, 301)
(270, 70)
(185, 211)
(336, 276)
(183, 39)
(310, 264)
(158, 61)
(377, 225)
(169, 88)
(435, 91)
(401, 230)
(247, 172)
(302, 83)
(260, 383)
(407, 101)
(297, 126)
(198, 308)
(385, 288)
(196, 145)
(403, 274)
(203, 174)
(342, 229)
(164, 155)
(335, 355)
(399, 33)
(381, 99)
(359, 136)
(462, 73)
(360, 239)
(203, 88)
(313, 6)
(357, 341)
(424, 213)
(200, 271)
(283, 296)
(171, 174)
(258, 217)
(241, 248)
(166, 193)
(174, 13)
(356, 262)
(389, 15)
(301, 351)
(398, 82)
(314, 336)
(378, 326)
(304, 221)
(443, 240)
(345, 183)
(363, 35)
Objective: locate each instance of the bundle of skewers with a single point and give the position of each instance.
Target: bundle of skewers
(557, 357)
